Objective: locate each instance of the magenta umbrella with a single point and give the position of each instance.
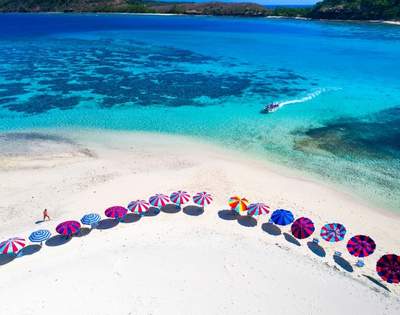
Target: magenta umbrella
(116, 212)
(302, 228)
(68, 228)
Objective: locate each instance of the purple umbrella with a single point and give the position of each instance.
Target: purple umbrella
(116, 212)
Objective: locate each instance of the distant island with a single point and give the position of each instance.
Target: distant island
(327, 9)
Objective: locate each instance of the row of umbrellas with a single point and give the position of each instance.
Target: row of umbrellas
(388, 266)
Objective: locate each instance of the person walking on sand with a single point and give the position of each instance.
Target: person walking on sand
(45, 215)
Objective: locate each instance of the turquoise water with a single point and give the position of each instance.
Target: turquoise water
(209, 77)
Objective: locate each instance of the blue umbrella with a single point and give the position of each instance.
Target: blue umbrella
(282, 217)
(39, 236)
(90, 219)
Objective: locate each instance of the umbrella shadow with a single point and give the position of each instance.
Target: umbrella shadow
(106, 224)
(6, 258)
(30, 250)
(271, 229)
(343, 263)
(193, 210)
(171, 208)
(130, 218)
(228, 215)
(58, 240)
(247, 221)
(377, 282)
(83, 232)
(152, 212)
(291, 239)
(316, 249)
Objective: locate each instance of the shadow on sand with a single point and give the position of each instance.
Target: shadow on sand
(316, 249)
(228, 215)
(83, 232)
(343, 263)
(130, 218)
(171, 208)
(6, 258)
(291, 239)
(377, 282)
(247, 221)
(30, 250)
(40, 221)
(271, 229)
(106, 224)
(193, 210)
(152, 212)
(58, 240)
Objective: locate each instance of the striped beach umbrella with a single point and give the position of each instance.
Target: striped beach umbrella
(116, 212)
(361, 246)
(68, 228)
(180, 197)
(282, 217)
(202, 198)
(91, 219)
(256, 209)
(39, 236)
(333, 232)
(159, 200)
(302, 228)
(139, 206)
(238, 204)
(388, 268)
(12, 245)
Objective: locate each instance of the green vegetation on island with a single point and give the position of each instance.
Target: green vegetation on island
(327, 9)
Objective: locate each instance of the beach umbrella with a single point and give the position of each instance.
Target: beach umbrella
(302, 228)
(139, 206)
(282, 217)
(91, 219)
(68, 228)
(238, 204)
(159, 200)
(116, 212)
(202, 198)
(39, 236)
(388, 268)
(180, 197)
(361, 246)
(333, 232)
(12, 245)
(256, 209)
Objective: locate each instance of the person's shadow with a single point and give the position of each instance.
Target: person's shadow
(343, 263)
(316, 249)
(39, 221)
(58, 240)
(271, 229)
(30, 250)
(228, 215)
(291, 239)
(193, 210)
(247, 221)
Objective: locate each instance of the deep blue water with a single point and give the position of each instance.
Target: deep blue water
(209, 77)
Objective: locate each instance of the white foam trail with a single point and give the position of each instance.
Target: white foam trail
(306, 98)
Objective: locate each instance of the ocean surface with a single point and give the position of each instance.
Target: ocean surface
(209, 77)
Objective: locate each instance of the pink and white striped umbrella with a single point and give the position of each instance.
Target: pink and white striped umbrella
(139, 206)
(180, 197)
(159, 200)
(12, 245)
(256, 209)
(202, 198)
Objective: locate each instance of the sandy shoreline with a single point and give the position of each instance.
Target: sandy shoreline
(171, 262)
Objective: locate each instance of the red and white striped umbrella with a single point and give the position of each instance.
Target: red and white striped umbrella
(159, 200)
(180, 197)
(12, 245)
(202, 198)
(139, 206)
(256, 209)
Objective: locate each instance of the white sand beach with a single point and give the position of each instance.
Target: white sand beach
(178, 263)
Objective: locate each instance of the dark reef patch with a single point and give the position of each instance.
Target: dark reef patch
(375, 136)
(43, 103)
